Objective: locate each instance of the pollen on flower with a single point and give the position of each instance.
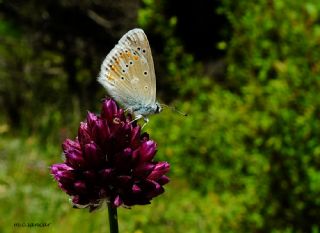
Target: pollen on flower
(116, 121)
(110, 160)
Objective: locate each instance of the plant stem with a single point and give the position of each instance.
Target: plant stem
(113, 218)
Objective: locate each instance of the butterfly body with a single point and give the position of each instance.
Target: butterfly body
(145, 110)
(127, 73)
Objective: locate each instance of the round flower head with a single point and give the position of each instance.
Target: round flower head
(110, 160)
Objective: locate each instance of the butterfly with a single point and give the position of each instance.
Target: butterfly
(127, 73)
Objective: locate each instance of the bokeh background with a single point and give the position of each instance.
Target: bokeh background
(246, 159)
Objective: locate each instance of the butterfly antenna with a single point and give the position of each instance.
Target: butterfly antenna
(174, 109)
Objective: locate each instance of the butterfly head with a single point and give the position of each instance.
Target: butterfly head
(158, 108)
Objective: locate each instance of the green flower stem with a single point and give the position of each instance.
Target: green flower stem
(113, 218)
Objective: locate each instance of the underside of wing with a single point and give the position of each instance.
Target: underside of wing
(128, 71)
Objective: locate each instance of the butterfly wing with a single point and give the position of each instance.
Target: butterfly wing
(128, 71)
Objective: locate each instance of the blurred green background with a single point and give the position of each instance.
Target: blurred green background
(246, 159)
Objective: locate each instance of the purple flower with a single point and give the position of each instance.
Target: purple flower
(110, 160)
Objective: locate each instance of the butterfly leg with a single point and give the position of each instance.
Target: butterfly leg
(138, 117)
(146, 120)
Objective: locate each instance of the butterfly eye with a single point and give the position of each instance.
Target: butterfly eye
(158, 109)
